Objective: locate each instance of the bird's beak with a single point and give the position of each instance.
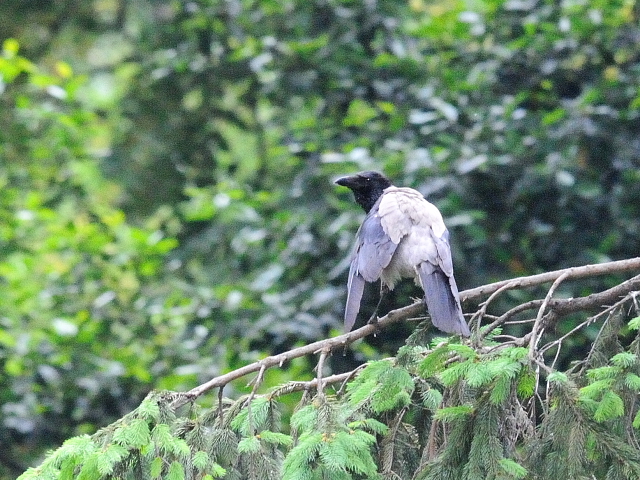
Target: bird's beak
(345, 181)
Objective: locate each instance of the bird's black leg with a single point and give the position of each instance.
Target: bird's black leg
(383, 291)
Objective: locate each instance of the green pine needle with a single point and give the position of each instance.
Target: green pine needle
(161, 435)
(558, 378)
(632, 382)
(255, 418)
(456, 372)
(602, 373)
(133, 435)
(223, 446)
(369, 424)
(449, 414)
(275, 438)
(176, 472)
(513, 469)
(634, 323)
(431, 399)
(304, 418)
(611, 406)
(249, 445)
(109, 457)
(216, 472)
(595, 389)
(149, 409)
(156, 467)
(180, 448)
(526, 384)
(434, 362)
(89, 470)
(200, 460)
(624, 360)
(501, 389)
(636, 421)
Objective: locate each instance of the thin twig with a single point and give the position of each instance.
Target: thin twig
(520, 322)
(589, 321)
(504, 318)
(388, 443)
(477, 317)
(256, 383)
(294, 386)
(320, 386)
(352, 374)
(220, 409)
(584, 363)
(557, 355)
(538, 328)
(430, 448)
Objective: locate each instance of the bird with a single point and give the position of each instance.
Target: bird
(403, 235)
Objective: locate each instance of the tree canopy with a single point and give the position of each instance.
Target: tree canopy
(168, 216)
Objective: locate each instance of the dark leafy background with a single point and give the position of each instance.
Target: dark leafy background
(167, 211)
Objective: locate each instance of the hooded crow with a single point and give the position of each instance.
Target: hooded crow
(403, 235)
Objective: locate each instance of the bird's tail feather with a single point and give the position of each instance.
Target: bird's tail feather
(441, 297)
(355, 289)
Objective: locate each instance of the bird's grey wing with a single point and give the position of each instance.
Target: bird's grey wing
(443, 248)
(432, 255)
(441, 292)
(376, 248)
(372, 253)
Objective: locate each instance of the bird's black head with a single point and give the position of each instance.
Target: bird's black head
(366, 186)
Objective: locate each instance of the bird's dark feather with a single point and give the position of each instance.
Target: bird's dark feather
(441, 297)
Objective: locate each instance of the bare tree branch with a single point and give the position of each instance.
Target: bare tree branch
(556, 308)
(542, 278)
(562, 307)
(278, 360)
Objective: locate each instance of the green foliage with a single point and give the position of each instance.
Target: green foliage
(449, 414)
(431, 398)
(166, 214)
(257, 417)
(610, 406)
(135, 445)
(328, 447)
(78, 280)
(512, 469)
(381, 386)
(452, 364)
(634, 323)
